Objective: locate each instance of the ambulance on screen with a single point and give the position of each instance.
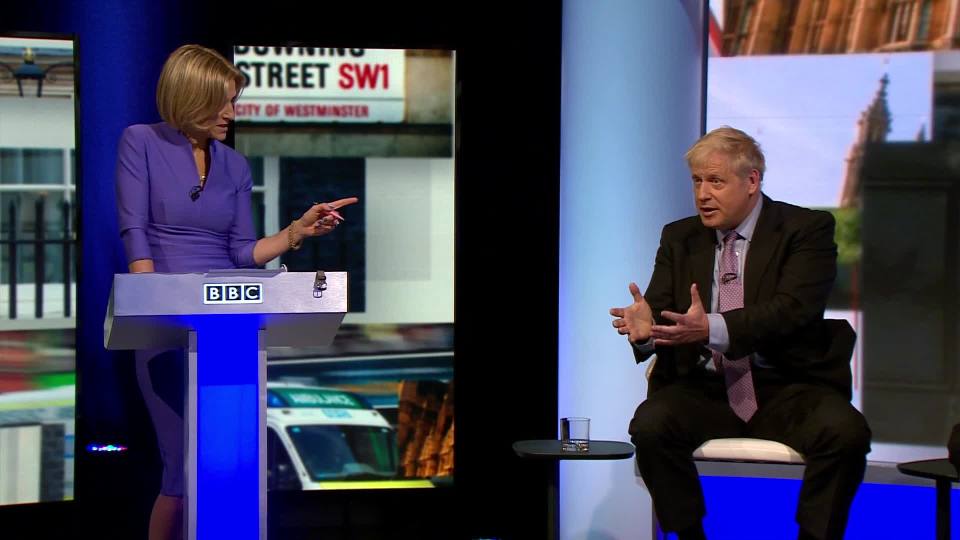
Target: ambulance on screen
(323, 438)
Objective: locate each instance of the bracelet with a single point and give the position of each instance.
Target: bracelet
(294, 245)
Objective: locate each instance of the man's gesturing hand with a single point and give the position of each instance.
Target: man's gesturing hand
(690, 327)
(635, 320)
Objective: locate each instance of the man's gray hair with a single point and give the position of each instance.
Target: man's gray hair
(744, 152)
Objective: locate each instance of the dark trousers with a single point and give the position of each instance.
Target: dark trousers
(817, 421)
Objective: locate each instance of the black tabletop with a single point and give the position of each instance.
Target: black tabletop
(550, 449)
(937, 469)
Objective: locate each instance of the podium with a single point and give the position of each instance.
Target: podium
(225, 320)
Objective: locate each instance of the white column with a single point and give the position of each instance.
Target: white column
(631, 106)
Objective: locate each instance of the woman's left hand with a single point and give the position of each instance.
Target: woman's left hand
(321, 218)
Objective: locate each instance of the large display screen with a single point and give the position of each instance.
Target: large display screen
(375, 408)
(38, 261)
(858, 111)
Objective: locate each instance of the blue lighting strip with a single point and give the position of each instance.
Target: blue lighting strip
(878, 511)
(227, 419)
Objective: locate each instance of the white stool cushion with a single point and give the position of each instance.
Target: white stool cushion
(747, 450)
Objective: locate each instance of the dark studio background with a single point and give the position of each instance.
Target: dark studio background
(507, 163)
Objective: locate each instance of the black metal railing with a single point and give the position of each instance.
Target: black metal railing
(39, 242)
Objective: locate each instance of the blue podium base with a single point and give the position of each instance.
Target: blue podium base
(225, 429)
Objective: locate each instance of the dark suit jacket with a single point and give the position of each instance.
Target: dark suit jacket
(788, 275)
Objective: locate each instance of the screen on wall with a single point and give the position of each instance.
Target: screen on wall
(319, 124)
(38, 248)
(858, 113)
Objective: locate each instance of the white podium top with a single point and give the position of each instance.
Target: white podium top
(153, 310)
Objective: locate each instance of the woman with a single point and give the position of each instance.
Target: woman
(184, 206)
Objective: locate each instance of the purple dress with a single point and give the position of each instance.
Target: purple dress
(159, 221)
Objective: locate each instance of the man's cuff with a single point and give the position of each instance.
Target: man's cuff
(719, 338)
(644, 347)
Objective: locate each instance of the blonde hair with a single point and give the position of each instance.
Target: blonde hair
(193, 86)
(744, 152)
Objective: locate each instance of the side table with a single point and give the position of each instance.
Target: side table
(944, 473)
(549, 450)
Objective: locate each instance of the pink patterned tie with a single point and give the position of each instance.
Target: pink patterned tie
(740, 393)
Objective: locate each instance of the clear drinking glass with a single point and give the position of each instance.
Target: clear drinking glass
(575, 434)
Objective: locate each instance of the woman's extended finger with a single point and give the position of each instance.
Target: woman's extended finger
(340, 203)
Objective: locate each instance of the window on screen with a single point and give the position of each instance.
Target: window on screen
(318, 124)
(38, 248)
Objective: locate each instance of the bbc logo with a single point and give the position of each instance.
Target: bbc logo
(232, 293)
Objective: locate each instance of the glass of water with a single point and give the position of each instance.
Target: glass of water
(575, 434)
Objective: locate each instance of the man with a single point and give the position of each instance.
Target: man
(734, 313)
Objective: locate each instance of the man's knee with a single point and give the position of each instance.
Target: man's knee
(848, 433)
(648, 425)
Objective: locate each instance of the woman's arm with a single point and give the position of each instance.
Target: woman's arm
(247, 251)
(270, 247)
(141, 265)
(319, 219)
(133, 199)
